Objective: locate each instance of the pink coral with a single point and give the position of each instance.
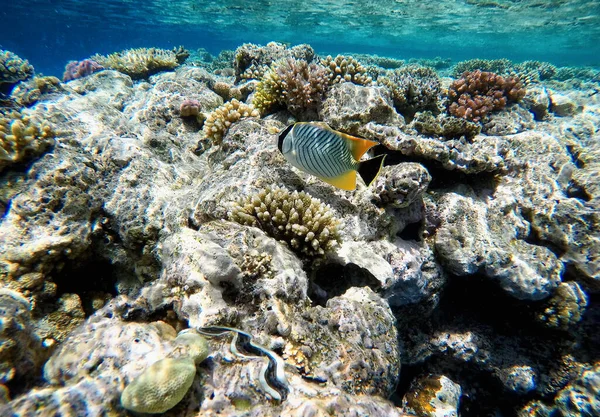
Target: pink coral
(78, 69)
(189, 108)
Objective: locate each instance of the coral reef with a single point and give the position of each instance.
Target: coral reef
(139, 63)
(305, 223)
(295, 84)
(414, 88)
(478, 93)
(566, 307)
(220, 120)
(432, 396)
(27, 93)
(250, 56)
(189, 108)
(22, 138)
(497, 66)
(78, 69)
(12, 70)
(444, 126)
(346, 69)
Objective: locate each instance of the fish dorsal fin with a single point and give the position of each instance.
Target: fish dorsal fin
(357, 146)
(346, 181)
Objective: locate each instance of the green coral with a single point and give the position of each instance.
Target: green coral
(160, 387)
(22, 138)
(414, 88)
(164, 383)
(139, 63)
(12, 70)
(306, 224)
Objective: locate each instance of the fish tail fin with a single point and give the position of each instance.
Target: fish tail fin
(370, 169)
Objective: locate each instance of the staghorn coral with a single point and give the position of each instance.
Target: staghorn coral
(181, 54)
(139, 63)
(414, 88)
(218, 122)
(544, 70)
(21, 138)
(346, 69)
(12, 70)
(565, 307)
(295, 84)
(478, 93)
(305, 223)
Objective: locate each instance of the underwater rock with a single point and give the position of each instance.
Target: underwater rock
(21, 350)
(349, 106)
(476, 238)
(511, 120)
(433, 396)
(562, 105)
(401, 185)
(537, 101)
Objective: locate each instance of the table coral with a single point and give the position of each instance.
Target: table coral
(305, 223)
(139, 63)
(478, 93)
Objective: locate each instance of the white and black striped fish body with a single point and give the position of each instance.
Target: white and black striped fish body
(333, 156)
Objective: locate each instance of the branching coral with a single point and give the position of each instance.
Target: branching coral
(28, 92)
(12, 70)
(139, 63)
(295, 84)
(249, 55)
(478, 93)
(305, 223)
(346, 69)
(218, 122)
(498, 66)
(414, 88)
(22, 138)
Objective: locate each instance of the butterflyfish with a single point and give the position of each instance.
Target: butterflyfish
(332, 156)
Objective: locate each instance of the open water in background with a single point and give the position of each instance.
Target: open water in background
(49, 33)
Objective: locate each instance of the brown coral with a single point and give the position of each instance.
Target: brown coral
(478, 93)
(218, 122)
(294, 83)
(346, 69)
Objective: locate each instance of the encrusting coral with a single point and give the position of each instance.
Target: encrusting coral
(448, 127)
(346, 69)
(295, 84)
(22, 138)
(305, 223)
(414, 88)
(218, 122)
(139, 63)
(478, 93)
(28, 92)
(565, 307)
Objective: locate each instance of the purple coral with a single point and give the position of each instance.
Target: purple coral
(78, 69)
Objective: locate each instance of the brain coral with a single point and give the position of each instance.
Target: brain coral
(478, 93)
(218, 122)
(295, 84)
(305, 223)
(139, 63)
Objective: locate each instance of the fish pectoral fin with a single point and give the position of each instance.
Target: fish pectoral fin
(346, 181)
(358, 146)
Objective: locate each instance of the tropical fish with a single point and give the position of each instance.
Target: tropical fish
(330, 155)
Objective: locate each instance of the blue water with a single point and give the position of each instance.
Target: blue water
(49, 33)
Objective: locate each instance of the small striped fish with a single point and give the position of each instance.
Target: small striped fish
(332, 156)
